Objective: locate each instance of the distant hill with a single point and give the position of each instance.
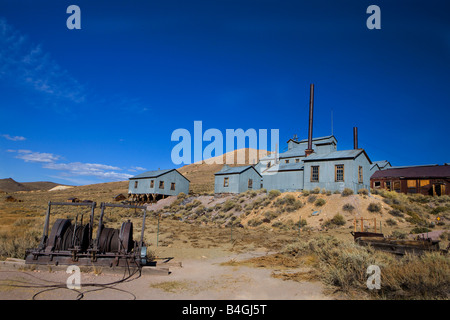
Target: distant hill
(201, 174)
(10, 185)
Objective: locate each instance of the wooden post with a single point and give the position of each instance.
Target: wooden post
(375, 224)
(299, 225)
(157, 232)
(362, 225)
(354, 223)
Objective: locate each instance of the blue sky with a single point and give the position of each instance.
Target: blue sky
(100, 104)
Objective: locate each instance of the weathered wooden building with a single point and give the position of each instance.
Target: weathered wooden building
(426, 179)
(154, 185)
(236, 179)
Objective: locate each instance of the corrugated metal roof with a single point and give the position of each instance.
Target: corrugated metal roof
(433, 171)
(341, 154)
(317, 140)
(151, 174)
(234, 170)
(329, 138)
(294, 152)
(286, 167)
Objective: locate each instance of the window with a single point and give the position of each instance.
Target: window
(424, 183)
(411, 184)
(360, 174)
(172, 186)
(339, 172)
(152, 183)
(135, 184)
(250, 183)
(225, 182)
(397, 186)
(377, 184)
(286, 161)
(314, 173)
(297, 160)
(388, 185)
(161, 184)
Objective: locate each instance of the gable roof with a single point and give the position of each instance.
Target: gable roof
(318, 140)
(337, 155)
(155, 174)
(381, 164)
(294, 152)
(426, 171)
(296, 166)
(235, 170)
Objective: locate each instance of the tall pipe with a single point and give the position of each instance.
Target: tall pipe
(355, 137)
(311, 110)
(310, 127)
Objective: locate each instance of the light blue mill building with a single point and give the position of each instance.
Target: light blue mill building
(154, 185)
(316, 163)
(237, 179)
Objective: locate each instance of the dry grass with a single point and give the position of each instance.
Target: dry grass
(343, 265)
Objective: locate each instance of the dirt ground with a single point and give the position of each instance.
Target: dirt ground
(196, 279)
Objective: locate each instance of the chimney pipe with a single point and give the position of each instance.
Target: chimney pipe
(355, 137)
(310, 128)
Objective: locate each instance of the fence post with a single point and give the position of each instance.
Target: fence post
(157, 232)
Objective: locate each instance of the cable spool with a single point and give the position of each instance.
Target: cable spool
(109, 240)
(126, 237)
(59, 230)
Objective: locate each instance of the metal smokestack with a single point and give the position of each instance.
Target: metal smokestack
(310, 128)
(355, 137)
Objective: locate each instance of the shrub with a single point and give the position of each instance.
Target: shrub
(181, 195)
(273, 194)
(316, 190)
(228, 205)
(254, 222)
(391, 222)
(438, 210)
(363, 191)
(270, 215)
(396, 212)
(417, 230)
(346, 192)
(348, 207)
(374, 207)
(305, 193)
(312, 198)
(338, 220)
(320, 202)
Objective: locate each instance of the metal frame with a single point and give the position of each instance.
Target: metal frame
(123, 257)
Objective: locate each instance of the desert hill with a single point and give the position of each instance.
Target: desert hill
(10, 185)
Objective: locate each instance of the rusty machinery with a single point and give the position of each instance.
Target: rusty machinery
(74, 243)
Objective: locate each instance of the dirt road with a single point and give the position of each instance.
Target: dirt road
(202, 279)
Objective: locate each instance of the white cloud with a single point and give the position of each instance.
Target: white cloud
(135, 169)
(89, 169)
(27, 64)
(13, 138)
(30, 156)
(72, 169)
